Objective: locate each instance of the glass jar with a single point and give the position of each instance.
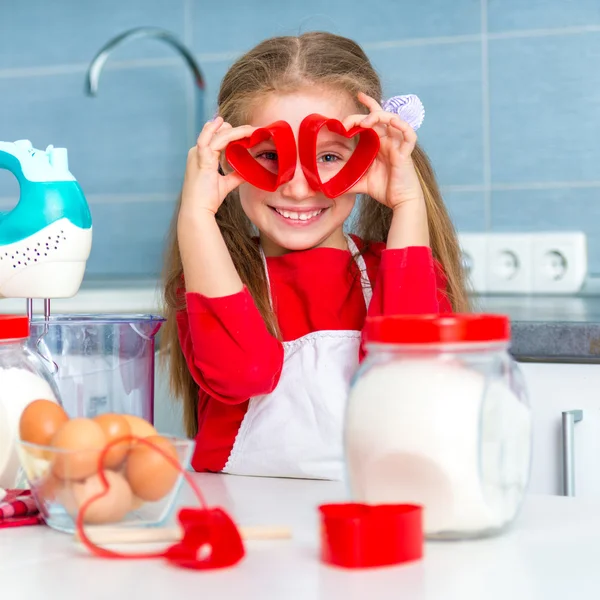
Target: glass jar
(438, 416)
(23, 378)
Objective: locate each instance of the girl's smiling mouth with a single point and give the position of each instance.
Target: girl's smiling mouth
(296, 216)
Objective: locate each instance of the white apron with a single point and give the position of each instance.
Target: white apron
(296, 430)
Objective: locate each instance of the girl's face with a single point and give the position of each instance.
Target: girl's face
(295, 217)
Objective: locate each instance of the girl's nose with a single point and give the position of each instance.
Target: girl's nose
(297, 188)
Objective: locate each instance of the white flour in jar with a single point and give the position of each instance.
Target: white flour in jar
(413, 432)
(18, 387)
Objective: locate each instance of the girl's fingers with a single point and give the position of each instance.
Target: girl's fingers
(394, 127)
(352, 121)
(213, 140)
(231, 181)
(369, 102)
(379, 117)
(209, 129)
(409, 137)
(216, 132)
(222, 138)
(224, 126)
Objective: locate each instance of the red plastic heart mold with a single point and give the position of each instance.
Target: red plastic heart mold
(358, 164)
(210, 540)
(355, 535)
(253, 172)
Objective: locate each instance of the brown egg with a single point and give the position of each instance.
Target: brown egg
(139, 427)
(109, 508)
(150, 475)
(82, 440)
(40, 420)
(114, 427)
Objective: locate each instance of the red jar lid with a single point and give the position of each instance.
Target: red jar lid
(13, 327)
(440, 328)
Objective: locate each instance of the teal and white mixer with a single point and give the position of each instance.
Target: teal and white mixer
(45, 240)
(100, 362)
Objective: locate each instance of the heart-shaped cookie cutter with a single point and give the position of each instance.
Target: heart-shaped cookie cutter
(352, 172)
(251, 170)
(281, 133)
(356, 535)
(211, 539)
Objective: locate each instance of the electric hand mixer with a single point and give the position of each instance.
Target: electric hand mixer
(46, 239)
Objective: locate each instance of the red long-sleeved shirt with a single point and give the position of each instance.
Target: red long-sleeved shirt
(232, 356)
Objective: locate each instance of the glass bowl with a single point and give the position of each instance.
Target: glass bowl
(142, 484)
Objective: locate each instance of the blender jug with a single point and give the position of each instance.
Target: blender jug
(101, 363)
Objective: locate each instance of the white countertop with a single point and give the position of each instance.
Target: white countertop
(133, 297)
(552, 553)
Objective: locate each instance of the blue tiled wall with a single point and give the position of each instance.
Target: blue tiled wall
(511, 89)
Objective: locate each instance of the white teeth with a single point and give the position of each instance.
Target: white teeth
(294, 216)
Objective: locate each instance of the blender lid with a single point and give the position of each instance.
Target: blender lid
(99, 318)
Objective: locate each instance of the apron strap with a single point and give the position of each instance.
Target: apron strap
(365, 283)
(264, 261)
(362, 267)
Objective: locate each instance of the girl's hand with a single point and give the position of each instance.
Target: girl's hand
(203, 186)
(392, 178)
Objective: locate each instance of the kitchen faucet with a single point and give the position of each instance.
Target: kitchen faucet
(95, 68)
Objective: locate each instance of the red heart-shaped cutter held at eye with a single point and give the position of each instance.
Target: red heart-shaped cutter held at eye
(355, 535)
(210, 540)
(362, 158)
(251, 170)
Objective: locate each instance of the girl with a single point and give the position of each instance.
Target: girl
(265, 294)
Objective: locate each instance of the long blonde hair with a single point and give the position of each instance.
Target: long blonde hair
(286, 64)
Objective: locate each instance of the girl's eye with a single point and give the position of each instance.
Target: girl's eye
(328, 158)
(267, 155)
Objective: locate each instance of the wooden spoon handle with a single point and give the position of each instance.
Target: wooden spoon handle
(117, 535)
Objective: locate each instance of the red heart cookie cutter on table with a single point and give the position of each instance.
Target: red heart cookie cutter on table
(355, 535)
(211, 539)
(251, 170)
(358, 164)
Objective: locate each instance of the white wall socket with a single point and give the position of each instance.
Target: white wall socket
(560, 262)
(474, 253)
(509, 265)
(525, 263)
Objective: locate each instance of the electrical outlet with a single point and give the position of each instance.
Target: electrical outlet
(474, 252)
(509, 263)
(559, 262)
(525, 263)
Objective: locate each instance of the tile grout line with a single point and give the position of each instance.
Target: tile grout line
(115, 65)
(548, 32)
(188, 40)
(95, 199)
(210, 57)
(545, 185)
(485, 118)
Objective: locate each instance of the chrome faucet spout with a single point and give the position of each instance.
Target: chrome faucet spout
(97, 63)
